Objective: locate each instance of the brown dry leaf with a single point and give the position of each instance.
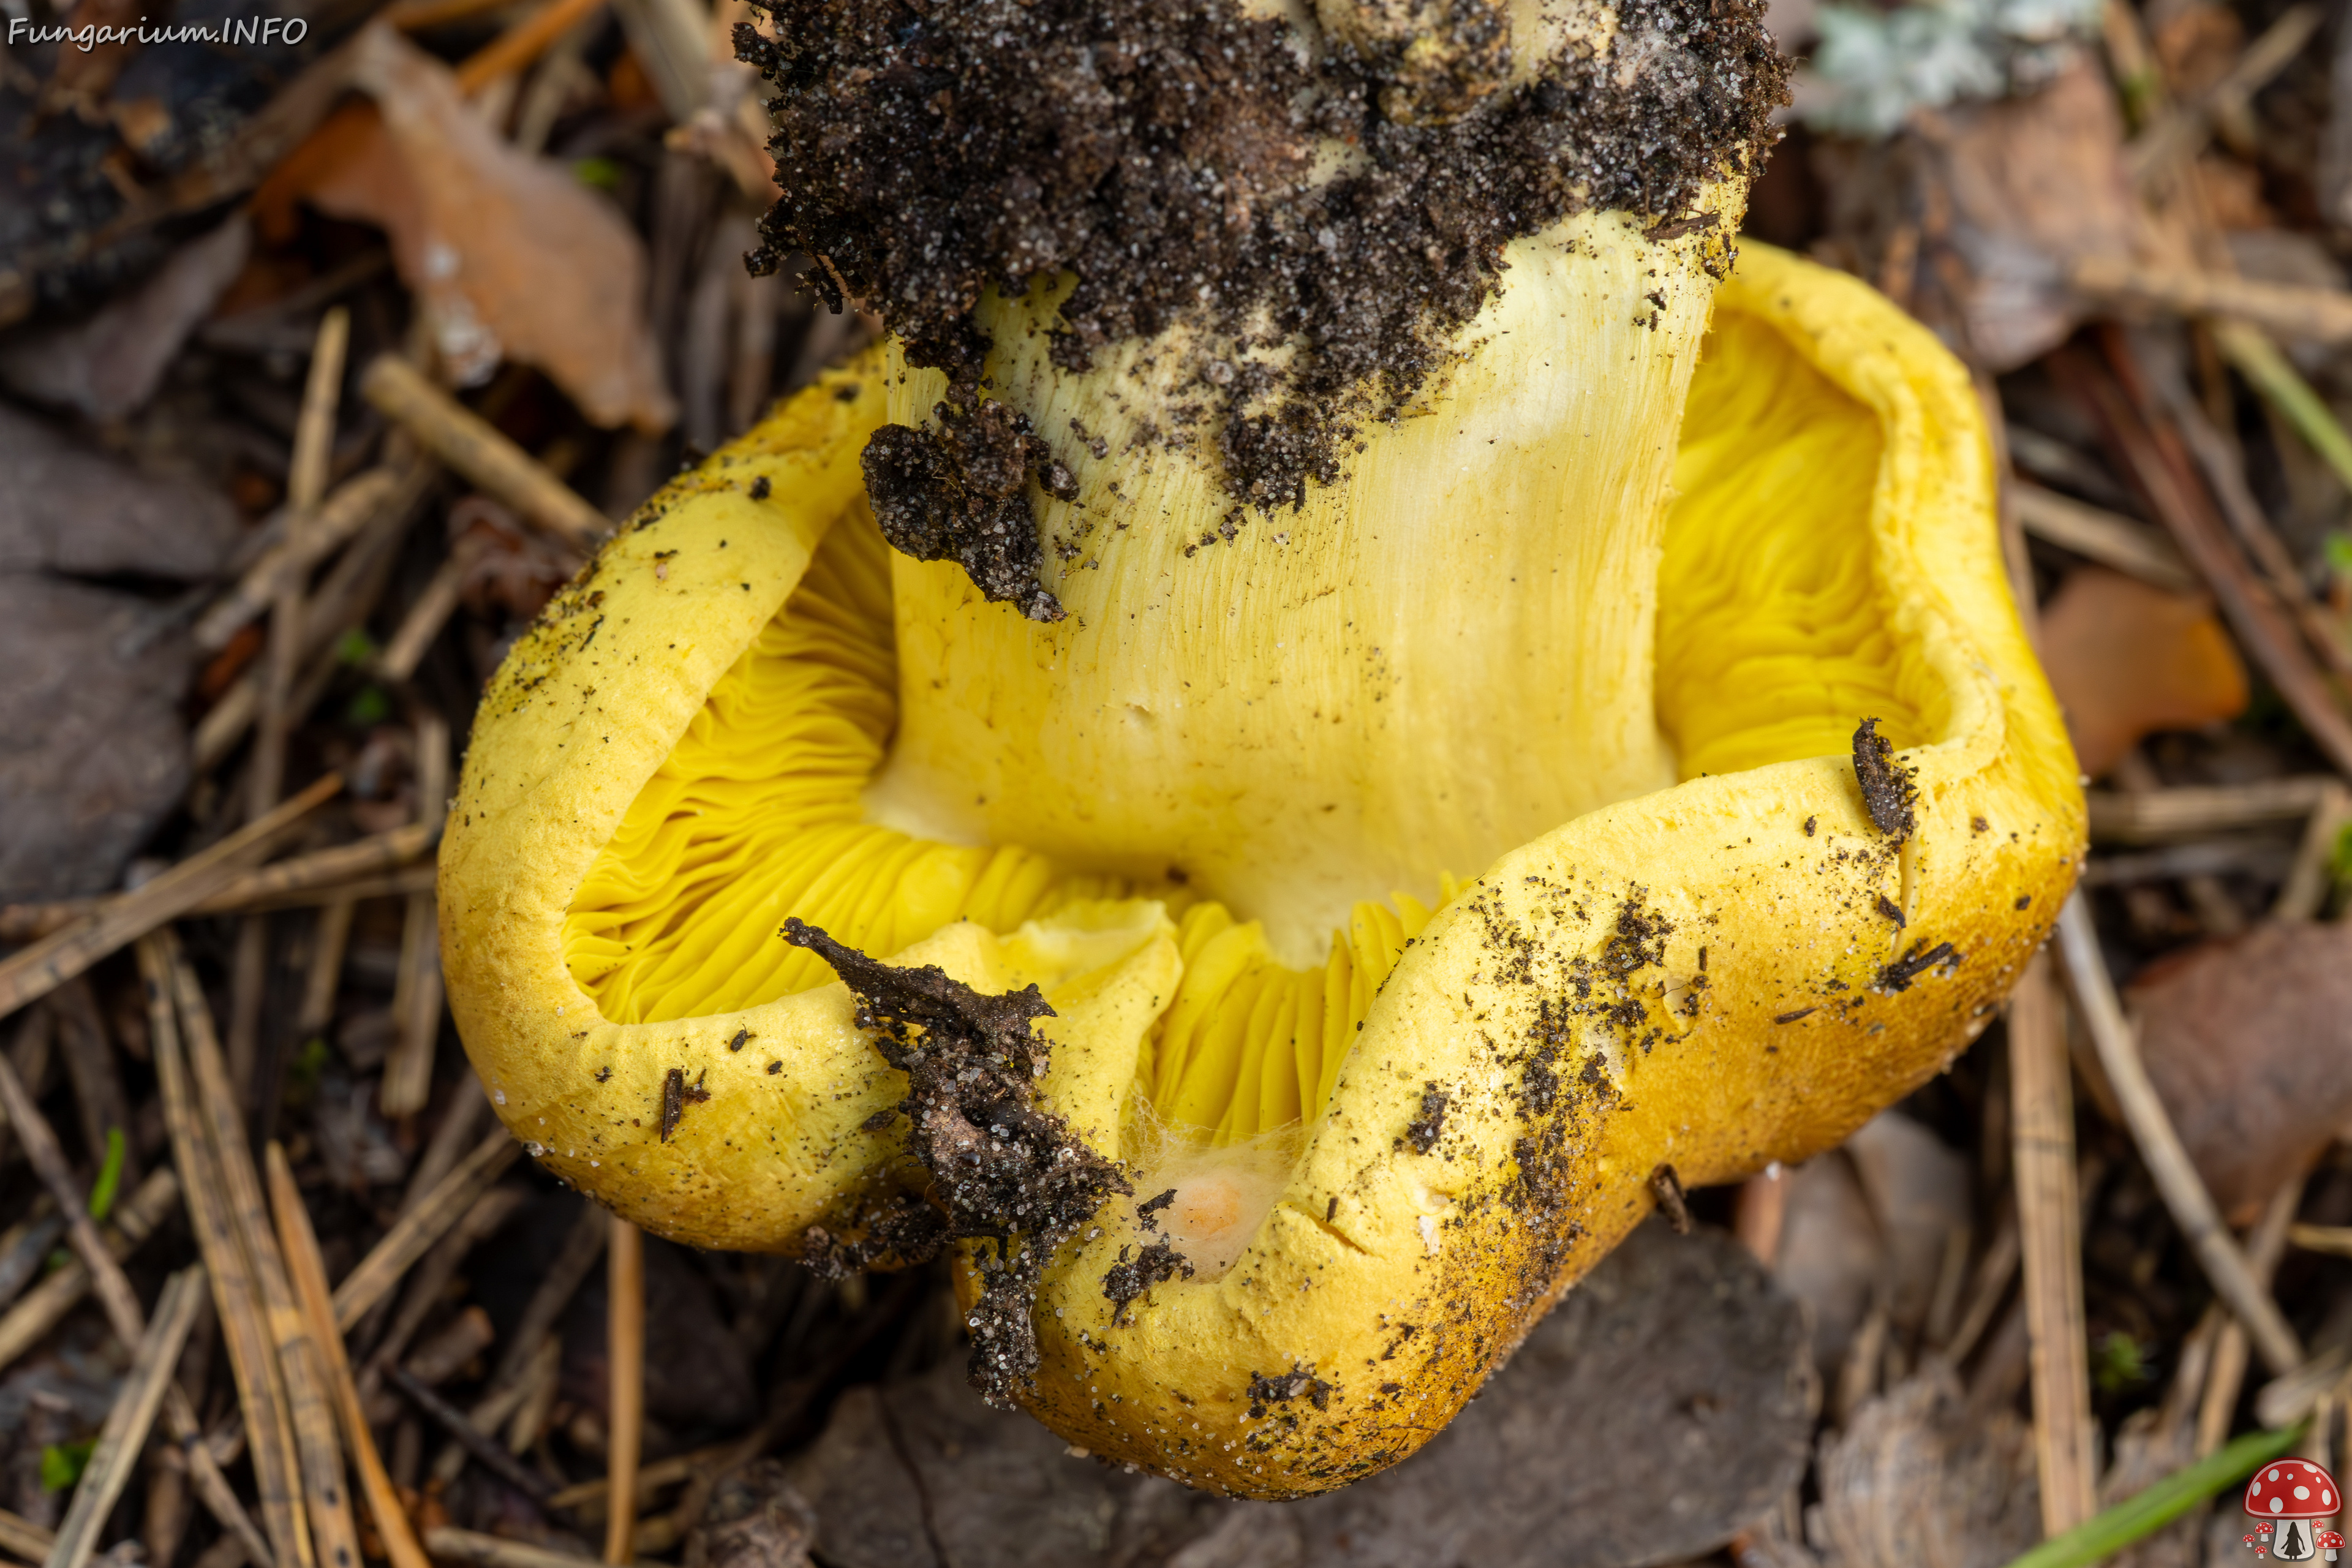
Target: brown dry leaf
(754, 1520)
(93, 749)
(1830, 1256)
(1919, 1189)
(2250, 1044)
(1911, 1483)
(2232, 190)
(72, 509)
(1971, 217)
(107, 366)
(510, 256)
(2147, 1449)
(82, 77)
(2127, 659)
(96, 753)
(2198, 44)
(511, 571)
(1663, 1406)
(1868, 1223)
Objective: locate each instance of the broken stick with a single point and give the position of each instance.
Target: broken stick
(307, 1272)
(2159, 1144)
(28, 976)
(125, 1432)
(2050, 1226)
(472, 446)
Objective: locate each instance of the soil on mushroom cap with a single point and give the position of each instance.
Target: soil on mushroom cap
(1163, 154)
(1003, 1169)
(1886, 787)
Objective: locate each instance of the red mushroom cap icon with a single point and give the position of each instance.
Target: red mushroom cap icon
(2331, 1542)
(2292, 1489)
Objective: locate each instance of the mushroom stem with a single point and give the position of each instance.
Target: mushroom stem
(1448, 650)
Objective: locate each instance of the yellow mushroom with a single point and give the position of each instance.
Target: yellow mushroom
(1415, 896)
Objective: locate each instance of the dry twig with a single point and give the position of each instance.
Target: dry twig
(342, 599)
(300, 1361)
(416, 996)
(524, 42)
(49, 1162)
(330, 940)
(420, 1227)
(125, 1433)
(2301, 314)
(2106, 537)
(354, 504)
(475, 1441)
(99, 1094)
(2160, 1145)
(100, 1262)
(624, 1360)
(2049, 1215)
(2335, 1240)
(2152, 816)
(582, 1248)
(1994, 1272)
(44, 1306)
(38, 970)
(47, 1305)
(471, 445)
(428, 1281)
(328, 876)
(22, 1537)
(2165, 476)
(453, 1137)
(2179, 130)
(268, 1424)
(449, 1545)
(308, 1275)
(429, 613)
(2307, 881)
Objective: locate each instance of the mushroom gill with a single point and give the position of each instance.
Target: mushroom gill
(1291, 740)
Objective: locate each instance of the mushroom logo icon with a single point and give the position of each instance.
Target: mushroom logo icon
(2331, 1543)
(2294, 1497)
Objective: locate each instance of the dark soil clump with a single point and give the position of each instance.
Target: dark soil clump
(1265, 1391)
(956, 491)
(1899, 974)
(676, 1095)
(1130, 1277)
(1886, 790)
(1159, 152)
(896, 1231)
(1002, 1169)
(1424, 1130)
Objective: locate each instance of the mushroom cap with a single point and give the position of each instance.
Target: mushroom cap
(1736, 969)
(2292, 1489)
